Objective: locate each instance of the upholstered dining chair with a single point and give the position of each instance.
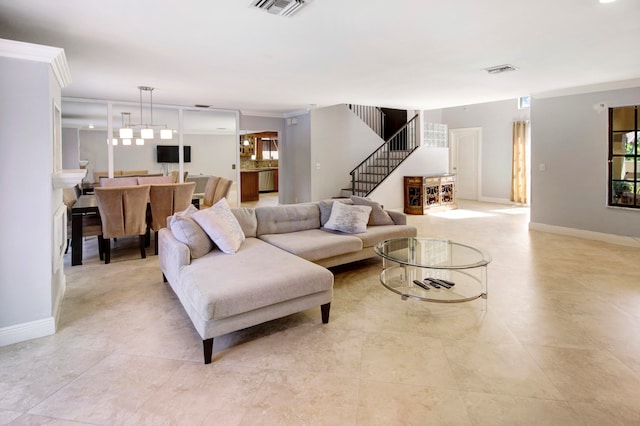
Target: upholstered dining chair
(166, 200)
(154, 180)
(123, 213)
(175, 174)
(123, 181)
(217, 188)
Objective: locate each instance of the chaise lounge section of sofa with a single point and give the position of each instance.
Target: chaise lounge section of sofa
(279, 269)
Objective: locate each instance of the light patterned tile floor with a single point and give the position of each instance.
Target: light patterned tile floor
(557, 342)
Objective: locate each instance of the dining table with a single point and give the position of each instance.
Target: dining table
(84, 205)
(88, 205)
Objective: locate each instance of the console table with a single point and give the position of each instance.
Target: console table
(424, 193)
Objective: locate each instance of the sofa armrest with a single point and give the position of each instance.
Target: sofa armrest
(172, 254)
(398, 218)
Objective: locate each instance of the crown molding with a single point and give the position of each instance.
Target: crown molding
(35, 52)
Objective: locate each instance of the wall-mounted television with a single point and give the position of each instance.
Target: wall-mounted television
(170, 153)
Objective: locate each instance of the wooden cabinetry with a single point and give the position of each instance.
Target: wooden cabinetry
(249, 186)
(424, 193)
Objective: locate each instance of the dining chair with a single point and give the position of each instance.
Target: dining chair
(154, 180)
(91, 225)
(217, 188)
(123, 213)
(175, 174)
(122, 181)
(165, 200)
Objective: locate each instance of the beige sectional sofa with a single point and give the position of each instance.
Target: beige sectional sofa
(279, 269)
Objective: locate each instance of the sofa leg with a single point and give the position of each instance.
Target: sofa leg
(207, 345)
(164, 279)
(325, 312)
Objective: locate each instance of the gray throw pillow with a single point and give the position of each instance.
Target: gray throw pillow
(378, 215)
(188, 232)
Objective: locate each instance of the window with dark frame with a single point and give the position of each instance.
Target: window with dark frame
(624, 157)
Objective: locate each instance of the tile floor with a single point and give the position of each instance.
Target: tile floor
(556, 343)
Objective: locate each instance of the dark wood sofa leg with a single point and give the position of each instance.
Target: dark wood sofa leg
(207, 345)
(164, 279)
(325, 312)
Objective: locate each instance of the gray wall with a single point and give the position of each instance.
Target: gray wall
(26, 164)
(569, 136)
(495, 118)
(295, 186)
(70, 149)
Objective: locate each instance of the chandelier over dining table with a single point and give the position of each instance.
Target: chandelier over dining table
(146, 128)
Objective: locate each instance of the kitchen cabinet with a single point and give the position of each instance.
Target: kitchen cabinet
(249, 185)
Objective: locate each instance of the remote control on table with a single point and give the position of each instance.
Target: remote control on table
(431, 283)
(440, 282)
(420, 284)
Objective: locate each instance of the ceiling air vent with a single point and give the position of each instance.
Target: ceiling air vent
(500, 69)
(280, 7)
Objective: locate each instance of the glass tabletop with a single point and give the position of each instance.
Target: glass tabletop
(432, 253)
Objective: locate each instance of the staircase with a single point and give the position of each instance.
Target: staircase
(372, 116)
(377, 166)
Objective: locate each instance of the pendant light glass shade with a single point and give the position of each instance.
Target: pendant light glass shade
(139, 141)
(166, 134)
(126, 133)
(114, 141)
(146, 133)
(126, 141)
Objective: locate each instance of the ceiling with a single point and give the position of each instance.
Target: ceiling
(409, 54)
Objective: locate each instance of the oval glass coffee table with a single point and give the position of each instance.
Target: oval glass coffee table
(433, 270)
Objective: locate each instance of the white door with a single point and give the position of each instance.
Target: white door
(464, 161)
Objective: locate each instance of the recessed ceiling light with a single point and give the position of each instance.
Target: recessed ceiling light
(607, 1)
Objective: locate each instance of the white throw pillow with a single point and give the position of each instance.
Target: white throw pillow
(188, 232)
(221, 226)
(350, 219)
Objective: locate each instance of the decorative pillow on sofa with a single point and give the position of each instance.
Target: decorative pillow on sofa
(326, 205)
(221, 226)
(247, 220)
(349, 219)
(188, 232)
(378, 215)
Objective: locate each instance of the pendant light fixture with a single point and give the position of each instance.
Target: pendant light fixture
(146, 129)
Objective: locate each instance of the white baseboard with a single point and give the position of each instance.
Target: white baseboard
(27, 331)
(589, 235)
(57, 302)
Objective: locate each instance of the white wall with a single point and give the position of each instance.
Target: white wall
(569, 136)
(423, 161)
(26, 288)
(495, 119)
(339, 142)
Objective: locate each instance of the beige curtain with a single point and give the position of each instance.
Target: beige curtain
(519, 163)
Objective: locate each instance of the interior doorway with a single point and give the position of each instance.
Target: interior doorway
(259, 165)
(464, 161)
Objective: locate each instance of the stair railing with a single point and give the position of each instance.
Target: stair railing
(372, 116)
(374, 169)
